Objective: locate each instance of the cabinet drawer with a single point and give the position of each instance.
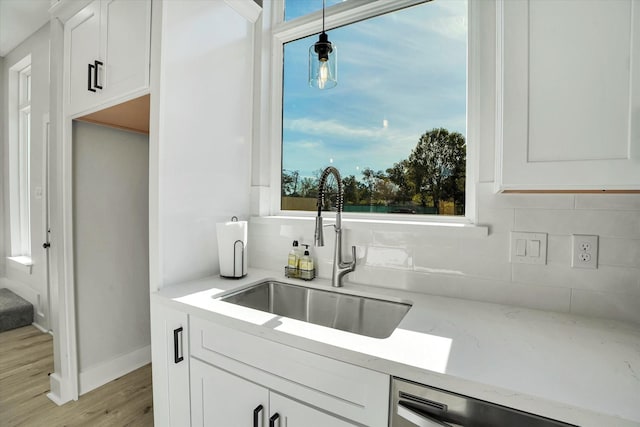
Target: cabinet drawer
(350, 391)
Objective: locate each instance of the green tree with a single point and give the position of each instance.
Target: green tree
(350, 189)
(309, 187)
(399, 175)
(436, 165)
(372, 182)
(289, 185)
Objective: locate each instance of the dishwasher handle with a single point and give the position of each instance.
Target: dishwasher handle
(418, 419)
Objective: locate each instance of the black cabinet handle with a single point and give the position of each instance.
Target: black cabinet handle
(177, 357)
(272, 420)
(256, 415)
(89, 73)
(97, 64)
(46, 245)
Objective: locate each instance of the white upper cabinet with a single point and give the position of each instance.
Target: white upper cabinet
(568, 95)
(82, 49)
(107, 49)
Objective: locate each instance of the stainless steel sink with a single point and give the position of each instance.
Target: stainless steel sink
(361, 315)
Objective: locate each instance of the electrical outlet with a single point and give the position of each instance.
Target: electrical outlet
(585, 251)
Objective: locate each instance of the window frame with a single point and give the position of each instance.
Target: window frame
(20, 125)
(342, 14)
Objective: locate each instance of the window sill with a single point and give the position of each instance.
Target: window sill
(452, 228)
(20, 263)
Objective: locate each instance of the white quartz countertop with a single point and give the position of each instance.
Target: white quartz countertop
(575, 369)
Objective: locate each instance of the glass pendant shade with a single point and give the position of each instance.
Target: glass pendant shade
(323, 63)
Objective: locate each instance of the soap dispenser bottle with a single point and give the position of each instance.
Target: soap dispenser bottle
(294, 257)
(306, 264)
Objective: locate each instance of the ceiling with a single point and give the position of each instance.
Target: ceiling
(19, 19)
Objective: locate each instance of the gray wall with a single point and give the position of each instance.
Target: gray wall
(111, 242)
(32, 286)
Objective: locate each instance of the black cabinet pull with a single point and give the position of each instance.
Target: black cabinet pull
(97, 64)
(272, 420)
(256, 415)
(46, 245)
(177, 357)
(89, 73)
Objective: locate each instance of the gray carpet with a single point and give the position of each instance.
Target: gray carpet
(15, 312)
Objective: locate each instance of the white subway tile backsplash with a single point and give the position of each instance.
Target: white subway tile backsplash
(601, 223)
(395, 238)
(619, 252)
(486, 258)
(559, 249)
(442, 261)
(396, 258)
(622, 202)
(498, 220)
(610, 279)
(487, 290)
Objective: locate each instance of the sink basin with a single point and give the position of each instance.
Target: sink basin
(372, 317)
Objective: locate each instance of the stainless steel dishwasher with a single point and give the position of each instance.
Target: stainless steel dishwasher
(414, 404)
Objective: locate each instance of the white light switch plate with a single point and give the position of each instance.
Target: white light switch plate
(528, 248)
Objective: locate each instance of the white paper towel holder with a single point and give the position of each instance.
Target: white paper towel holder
(235, 276)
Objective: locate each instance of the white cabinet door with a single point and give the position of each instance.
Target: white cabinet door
(170, 361)
(570, 94)
(289, 413)
(126, 35)
(219, 398)
(107, 46)
(82, 41)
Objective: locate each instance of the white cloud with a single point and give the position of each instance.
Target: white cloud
(330, 128)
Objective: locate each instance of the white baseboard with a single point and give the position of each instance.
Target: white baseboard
(99, 375)
(56, 394)
(43, 330)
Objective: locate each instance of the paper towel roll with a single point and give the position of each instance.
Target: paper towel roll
(232, 248)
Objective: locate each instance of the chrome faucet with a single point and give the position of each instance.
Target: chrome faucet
(340, 268)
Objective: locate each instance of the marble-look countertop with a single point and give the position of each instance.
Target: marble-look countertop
(575, 369)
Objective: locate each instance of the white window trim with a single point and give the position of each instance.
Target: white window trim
(19, 161)
(338, 15)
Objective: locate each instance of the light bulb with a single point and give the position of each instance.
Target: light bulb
(323, 74)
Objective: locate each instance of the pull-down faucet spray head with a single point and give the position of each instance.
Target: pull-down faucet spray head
(318, 236)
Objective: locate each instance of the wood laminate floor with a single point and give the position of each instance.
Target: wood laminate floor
(26, 358)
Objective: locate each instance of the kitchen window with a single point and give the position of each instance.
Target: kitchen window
(395, 125)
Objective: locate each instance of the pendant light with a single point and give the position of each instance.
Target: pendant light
(323, 61)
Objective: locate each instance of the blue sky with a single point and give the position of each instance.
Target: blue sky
(399, 75)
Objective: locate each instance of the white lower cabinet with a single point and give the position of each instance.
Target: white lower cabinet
(219, 398)
(206, 374)
(305, 389)
(170, 366)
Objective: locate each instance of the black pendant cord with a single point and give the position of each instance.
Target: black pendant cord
(323, 15)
